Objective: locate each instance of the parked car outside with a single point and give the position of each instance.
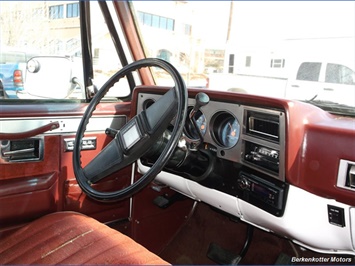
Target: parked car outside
(323, 81)
(13, 71)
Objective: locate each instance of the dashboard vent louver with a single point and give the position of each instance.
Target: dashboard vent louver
(264, 126)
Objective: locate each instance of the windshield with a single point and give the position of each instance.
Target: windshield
(300, 50)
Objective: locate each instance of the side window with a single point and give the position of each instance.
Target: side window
(309, 71)
(231, 63)
(277, 63)
(47, 35)
(56, 12)
(248, 61)
(339, 74)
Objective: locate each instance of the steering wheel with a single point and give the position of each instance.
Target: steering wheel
(135, 137)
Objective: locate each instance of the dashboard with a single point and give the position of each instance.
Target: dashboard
(276, 164)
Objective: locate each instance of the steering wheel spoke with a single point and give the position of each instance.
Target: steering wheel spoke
(135, 138)
(108, 161)
(161, 113)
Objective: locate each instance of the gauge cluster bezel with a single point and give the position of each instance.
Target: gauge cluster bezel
(234, 152)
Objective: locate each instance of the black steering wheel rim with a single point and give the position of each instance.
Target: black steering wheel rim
(179, 121)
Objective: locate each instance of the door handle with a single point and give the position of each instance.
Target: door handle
(328, 89)
(8, 154)
(30, 133)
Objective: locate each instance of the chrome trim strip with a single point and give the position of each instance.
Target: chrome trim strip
(67, 124)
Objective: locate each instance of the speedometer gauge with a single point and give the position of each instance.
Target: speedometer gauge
(226, 129)
(230, 132)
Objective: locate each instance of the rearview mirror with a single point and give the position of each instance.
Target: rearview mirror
(49, 77)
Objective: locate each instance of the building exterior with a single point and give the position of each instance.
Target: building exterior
(52, 27)
(58, 23)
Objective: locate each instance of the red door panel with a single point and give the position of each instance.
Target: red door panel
(32, 187)
(24, 199)
(29, 189)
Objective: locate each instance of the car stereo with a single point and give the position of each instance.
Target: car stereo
(262, 193)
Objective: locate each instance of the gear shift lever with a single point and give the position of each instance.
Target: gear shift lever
(201, 100)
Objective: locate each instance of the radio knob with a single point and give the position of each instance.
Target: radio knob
(244, 183)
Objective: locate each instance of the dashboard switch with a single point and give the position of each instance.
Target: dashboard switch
(336, 216)
(88, 143)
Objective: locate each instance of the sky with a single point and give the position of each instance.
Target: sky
(256, 21)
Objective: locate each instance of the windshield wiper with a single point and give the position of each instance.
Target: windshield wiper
(333, 107)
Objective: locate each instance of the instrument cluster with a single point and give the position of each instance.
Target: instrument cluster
(224, 128)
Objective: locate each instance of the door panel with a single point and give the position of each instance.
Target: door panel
(26, 198)
(29, 189)
(35, 187)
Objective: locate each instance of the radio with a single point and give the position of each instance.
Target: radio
(262, 156)
(261, 193)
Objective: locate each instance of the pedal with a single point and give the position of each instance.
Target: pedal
(222, 256)
(283, 259)
(163, 201)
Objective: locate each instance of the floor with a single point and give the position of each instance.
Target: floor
(206, 226)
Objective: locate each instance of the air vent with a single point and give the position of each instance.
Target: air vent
(346, 175)
(263, 125)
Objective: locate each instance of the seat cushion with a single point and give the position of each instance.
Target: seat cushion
(72, 238)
